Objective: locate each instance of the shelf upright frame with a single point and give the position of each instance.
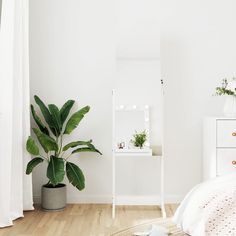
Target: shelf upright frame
(163, 210)
(113, 156)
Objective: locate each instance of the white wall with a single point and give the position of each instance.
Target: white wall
(197, 50)
(0, 5)
(73, 55)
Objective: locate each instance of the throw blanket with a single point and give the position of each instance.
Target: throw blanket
(209, 209)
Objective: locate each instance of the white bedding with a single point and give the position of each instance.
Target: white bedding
(209, 209)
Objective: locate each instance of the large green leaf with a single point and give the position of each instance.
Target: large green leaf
(91, 146)
(47, 115)
(32, 147)
(75, 119)
(56, 170)
(65, 110)
(34, 162)
(75, 144)
(75, 175)
(56, 117)
(48, 143)
(86, 149)
(38, 121)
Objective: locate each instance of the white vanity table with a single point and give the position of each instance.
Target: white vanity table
(143, 113)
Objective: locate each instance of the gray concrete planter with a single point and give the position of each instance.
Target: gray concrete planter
(53, 198)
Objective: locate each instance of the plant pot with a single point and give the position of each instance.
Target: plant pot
(53, 198)
(230, 106)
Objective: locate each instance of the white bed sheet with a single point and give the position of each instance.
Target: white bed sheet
(209, 209)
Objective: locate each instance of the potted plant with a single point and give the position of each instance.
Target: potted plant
(228, 89)
(50, 134)
(139, 139)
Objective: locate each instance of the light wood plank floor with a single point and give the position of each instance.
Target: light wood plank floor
(83, 220)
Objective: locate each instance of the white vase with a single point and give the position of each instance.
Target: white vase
(230, 106)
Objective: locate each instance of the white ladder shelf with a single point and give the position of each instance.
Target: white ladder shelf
(129, 153)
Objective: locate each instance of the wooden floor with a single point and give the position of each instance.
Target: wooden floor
(83, 220)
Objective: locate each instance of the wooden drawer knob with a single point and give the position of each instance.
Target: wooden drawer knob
(234, 162)
(234, 134)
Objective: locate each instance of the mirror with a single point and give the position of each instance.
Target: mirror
(128, 122)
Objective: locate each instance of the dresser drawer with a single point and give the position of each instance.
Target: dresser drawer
(224, 165)
(226, 133)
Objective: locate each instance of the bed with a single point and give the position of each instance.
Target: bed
(209, 209)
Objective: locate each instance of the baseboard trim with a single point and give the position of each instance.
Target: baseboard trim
(120, 200)
(146, 200)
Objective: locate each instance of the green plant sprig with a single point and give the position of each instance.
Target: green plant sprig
(139, 139)
(49, 134)
(223, 90)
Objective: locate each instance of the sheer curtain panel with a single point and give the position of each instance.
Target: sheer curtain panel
(15, 186)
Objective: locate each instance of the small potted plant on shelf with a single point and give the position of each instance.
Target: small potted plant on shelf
(228, 89)
(50, 134)
(139, 139)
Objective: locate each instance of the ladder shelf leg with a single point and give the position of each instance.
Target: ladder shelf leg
(163, 210)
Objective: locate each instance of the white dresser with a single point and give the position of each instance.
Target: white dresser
(219, 146)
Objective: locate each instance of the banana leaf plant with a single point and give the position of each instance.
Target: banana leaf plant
(50, 133)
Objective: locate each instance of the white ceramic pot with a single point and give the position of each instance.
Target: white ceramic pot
(230, 106)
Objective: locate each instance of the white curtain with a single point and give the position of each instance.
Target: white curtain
(15, 186)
